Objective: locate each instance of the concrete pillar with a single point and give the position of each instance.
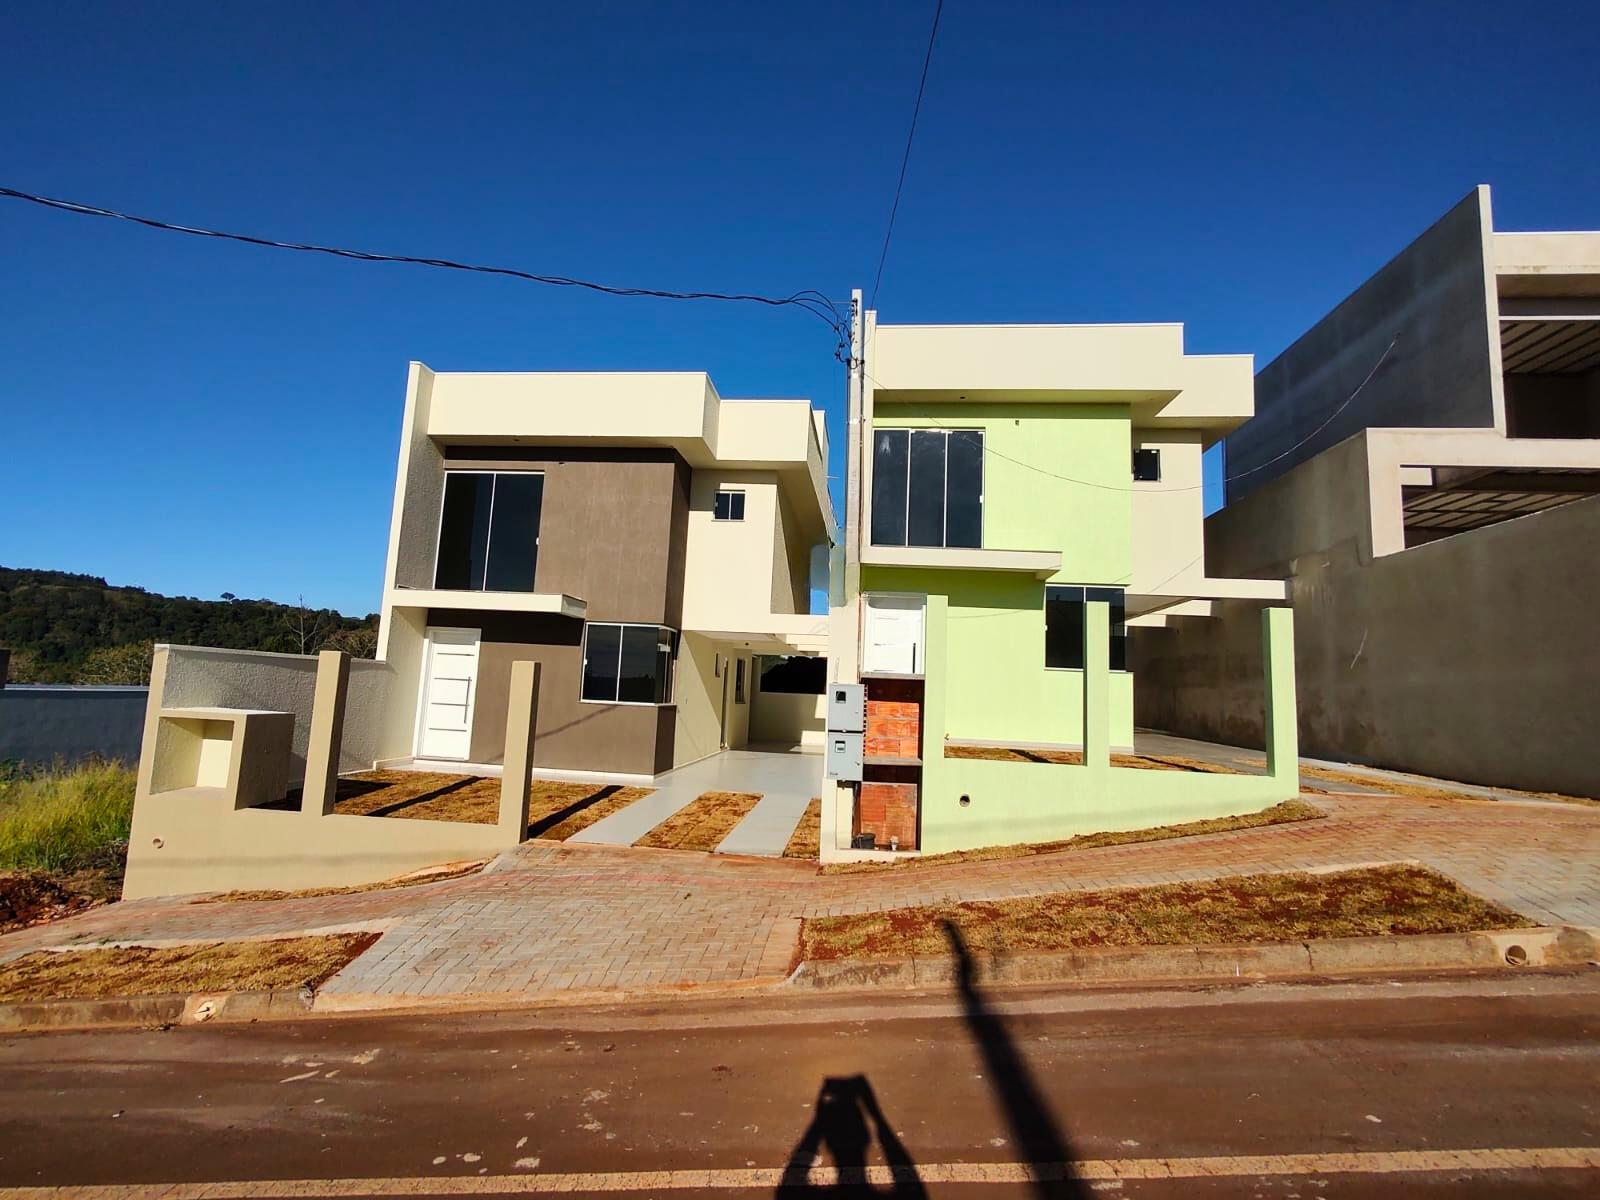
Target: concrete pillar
(1097, 684)
(327, 733)
(1283, 735)
(148, 748)
(516, 775)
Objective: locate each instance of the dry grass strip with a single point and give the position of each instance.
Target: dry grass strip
(160, 971)
(556, 809)
(1238, 909)
(1279, 814)
(1429, 791)
(806, 840)
(702, 823)
(559, 810)
(415, 878)
(419, 796)
(1074, 758)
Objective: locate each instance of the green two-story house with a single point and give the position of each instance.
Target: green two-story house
(1019, 498)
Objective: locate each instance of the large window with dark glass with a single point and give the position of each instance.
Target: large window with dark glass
(1063, 626)
(927, 487)
(627, 664)
(489, 531)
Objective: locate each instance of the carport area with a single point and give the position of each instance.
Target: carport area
(785, 777)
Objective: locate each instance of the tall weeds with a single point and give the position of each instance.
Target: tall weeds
(67, 818)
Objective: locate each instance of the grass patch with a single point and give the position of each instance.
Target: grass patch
(63, 841)
(430, 875)
(1279, 814)
(160, 971)
(1074, 758)
(556, 810)
(1238, 909)
(806, 840)
(702, 823)
(65, 819)
(559, 810)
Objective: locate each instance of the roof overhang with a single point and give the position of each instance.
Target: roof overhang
(555, 603)
(680, 411)
(776, 633)
(1039, 563)
(1140, 604)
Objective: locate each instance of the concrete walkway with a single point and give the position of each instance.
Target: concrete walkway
(786, 780)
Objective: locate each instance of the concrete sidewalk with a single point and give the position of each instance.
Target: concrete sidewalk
(786, 781)
(554, 918)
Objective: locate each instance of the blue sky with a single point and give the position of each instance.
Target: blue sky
(197, 417)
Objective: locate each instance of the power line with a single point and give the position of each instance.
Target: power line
(809, 299)
(906, 159)
(1111, 487)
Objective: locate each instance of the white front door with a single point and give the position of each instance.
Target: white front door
(893, 639)
(449, 687)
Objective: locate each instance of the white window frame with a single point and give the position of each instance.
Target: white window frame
(729, 491)
(488, 545)
(672, 635)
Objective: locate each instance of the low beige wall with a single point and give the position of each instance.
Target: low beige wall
(1472, 658)
(188, 841)
(210, 837)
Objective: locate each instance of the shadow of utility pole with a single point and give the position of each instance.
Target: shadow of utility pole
(1034, 1131)
(844, 1124)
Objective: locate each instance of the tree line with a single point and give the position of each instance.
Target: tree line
(66, 628)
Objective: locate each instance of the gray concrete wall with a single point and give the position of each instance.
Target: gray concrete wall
(1436, 298)
(44, 724)
(1471, 658)
(1319, 506)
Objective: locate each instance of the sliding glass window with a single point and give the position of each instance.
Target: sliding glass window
(627, 664)
(489, 531)
(927, 487)
(1063, 626)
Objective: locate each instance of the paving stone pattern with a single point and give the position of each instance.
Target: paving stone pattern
(553, 918)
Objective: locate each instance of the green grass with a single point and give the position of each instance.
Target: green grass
(65, 819)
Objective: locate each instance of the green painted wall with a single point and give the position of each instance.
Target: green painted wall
(999, 687)
(1014, 802)
(1025, 508)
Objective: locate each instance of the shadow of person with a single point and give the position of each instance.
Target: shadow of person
(845, 1123)
(1033, 1128)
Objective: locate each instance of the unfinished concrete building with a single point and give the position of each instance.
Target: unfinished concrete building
(1422, 470)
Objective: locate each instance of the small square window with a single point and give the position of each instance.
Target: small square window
(729, 505)
(1147, 466)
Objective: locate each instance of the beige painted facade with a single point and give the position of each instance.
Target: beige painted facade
(624, 533)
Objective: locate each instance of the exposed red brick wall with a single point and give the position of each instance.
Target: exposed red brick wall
(888, 810)
(894, 729)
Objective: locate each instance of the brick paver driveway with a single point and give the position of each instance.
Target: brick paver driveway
(559, 919)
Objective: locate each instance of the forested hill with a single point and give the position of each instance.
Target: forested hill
(66, 628)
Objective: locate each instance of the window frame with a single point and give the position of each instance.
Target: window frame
(1115, 633)
(981, 432)
(730, 492)
(741, 681)
(1153, 450)
(667, 639)
(488, 543)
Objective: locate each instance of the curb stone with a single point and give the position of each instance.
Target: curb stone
(143, 1011)
(1547, 946)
